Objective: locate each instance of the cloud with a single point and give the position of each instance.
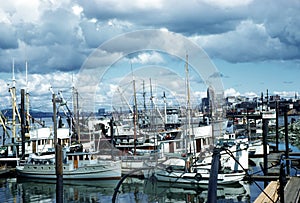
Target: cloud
(33, 31)
(8, 39)
(56, 37)
(145, 58)
(248, 42)
(231, 92)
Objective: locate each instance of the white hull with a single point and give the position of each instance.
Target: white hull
(193, 178)
(86, 170)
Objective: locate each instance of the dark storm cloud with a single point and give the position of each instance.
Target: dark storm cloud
(194, 17)
(55, 43)
(242, 31)
(250, 31)
(8, 37)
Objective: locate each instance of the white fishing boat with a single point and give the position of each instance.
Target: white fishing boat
(197, 170)
(176, 171)
(76, 166)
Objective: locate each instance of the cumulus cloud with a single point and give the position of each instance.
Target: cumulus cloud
(145, 58)
(231, 92)
(56, 37)
(220, 27)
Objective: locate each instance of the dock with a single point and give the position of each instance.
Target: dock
(271, 192)
(292, 190)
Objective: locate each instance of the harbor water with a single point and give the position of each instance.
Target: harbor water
(132, 190)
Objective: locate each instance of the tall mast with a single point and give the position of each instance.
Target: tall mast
(152, 104)
(76, 109)
(144, 96)
(135, 112)
(27, 97)
(165, 107)
(188, 105)
(13, 97)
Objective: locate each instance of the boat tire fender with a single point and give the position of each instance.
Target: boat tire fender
(169, 169)
(198, 176)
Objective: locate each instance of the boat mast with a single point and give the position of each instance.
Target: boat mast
(134, 113)
(188, 105)
(144, 97)
(76, 110)
(13, 97)
(165, 107)
(27, 98)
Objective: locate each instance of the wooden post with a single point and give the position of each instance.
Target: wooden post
(277, 125)
(286, 135)
(59, 173)
(265, 147)
(58, 158)
(213, 178)
(111, 127)
(23, 122)
(282, 183)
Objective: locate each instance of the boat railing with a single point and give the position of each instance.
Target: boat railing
(140, 158)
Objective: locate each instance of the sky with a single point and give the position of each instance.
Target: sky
(252, 45)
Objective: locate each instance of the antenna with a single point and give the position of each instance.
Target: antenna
(26, 75)
(13, 73)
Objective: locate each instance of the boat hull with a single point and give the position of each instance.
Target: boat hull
(105, 170)
(193, 178)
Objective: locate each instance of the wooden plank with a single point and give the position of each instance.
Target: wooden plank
(271, 191)
(292, 190)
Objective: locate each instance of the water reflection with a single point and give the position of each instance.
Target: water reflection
(168, 192)
(132, 190)
(74, 191)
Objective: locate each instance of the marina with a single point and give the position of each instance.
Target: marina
(209, 153)
(149, 101)
(136, 188)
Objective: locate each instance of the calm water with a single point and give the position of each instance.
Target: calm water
(132, 190)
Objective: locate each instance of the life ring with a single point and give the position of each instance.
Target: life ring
(198, 176)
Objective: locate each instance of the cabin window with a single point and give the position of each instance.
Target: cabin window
(198, 145)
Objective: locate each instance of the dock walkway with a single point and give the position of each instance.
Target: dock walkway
(291, 192)
(271, 191)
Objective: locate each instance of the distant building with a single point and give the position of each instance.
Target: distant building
(101, 111)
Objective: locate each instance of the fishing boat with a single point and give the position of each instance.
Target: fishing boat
(76, 166)
(195, 169)
(176, 171)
